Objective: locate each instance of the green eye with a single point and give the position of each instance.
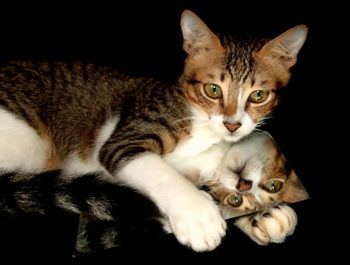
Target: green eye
(234, 199)
(258, 96)
(273, 185)
(213, 90)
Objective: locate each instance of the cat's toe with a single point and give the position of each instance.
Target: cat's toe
(251, 226)
(258, 234)
(272, 225)
(278, 223)
(198, 225)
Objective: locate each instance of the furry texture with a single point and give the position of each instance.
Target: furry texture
(246, 171)
(83, 118)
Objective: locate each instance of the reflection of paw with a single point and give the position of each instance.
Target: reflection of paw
(198, 223)
(272, 225)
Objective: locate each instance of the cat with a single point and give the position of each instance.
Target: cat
(245, 181)
(253, 180)
(81, 119)
(256, 177)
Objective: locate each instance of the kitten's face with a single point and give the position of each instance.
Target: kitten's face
(253, 175)
(232, 84)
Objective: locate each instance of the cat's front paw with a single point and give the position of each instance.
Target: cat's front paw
(272, 225)
(197, 223)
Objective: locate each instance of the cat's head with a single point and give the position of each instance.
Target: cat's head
(255, 174)
(232, 83)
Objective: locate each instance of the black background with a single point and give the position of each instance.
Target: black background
(145, 38)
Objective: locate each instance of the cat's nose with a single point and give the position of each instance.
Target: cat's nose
(244, 185)
(231, 127)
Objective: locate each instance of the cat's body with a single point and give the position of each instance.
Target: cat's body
(141, 133)
(252, 183)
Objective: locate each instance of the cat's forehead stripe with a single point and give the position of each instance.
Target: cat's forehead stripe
(222, 77)
(211, 76)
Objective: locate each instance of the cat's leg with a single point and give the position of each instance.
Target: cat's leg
(194, 218)
(272, 225)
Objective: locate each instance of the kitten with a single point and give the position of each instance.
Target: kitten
(254, 177)
(79, 119)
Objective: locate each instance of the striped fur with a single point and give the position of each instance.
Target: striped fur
(42, 193)
(256, 159)
(82, 118)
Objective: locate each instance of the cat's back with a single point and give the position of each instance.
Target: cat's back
(59, 105)
(58, 92)
(67, 106)
(49, 81)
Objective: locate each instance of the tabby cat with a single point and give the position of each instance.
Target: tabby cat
(253, 180)
(80, 119)
(255, 176)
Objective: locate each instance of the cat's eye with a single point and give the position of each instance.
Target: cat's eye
(258, 96)
(213, 90)
(234, 199)
(273, 185)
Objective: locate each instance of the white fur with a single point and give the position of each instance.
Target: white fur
(244, 152)
(274, 228)
(99, 208)
(217, 125)
(194, 218)
(203, 164)
(65, 202)
(74, 164)
(105, 132)
(201, 152)
(202, 137)
(20, 145)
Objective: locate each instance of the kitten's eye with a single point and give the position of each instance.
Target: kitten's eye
(234, 199)
(273, 185)
(258, 96)
(213, 90)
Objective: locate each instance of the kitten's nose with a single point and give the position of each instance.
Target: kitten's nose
(232, 126)
(244, 185)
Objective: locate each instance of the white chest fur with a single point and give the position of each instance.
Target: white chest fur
(199, 155)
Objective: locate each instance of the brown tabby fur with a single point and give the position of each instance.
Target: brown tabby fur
(68, 105)
(273, 165)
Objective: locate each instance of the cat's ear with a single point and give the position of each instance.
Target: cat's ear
(294, 190)
(197, 36)
(286, 46)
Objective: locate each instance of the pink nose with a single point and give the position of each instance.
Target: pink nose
(231, 127)
(244, 185)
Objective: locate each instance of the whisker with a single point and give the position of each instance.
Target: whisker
(258, 131)
(181, 120)
(191, 127)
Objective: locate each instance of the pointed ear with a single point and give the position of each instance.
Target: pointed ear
(294, 190)
(286, 46)
(197, 36)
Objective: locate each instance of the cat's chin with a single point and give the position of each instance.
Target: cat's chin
(228, 137)
(233, 138)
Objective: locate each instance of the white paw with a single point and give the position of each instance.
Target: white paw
(197, 223)
(272, 225)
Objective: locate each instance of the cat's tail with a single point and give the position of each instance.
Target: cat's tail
(41, 193)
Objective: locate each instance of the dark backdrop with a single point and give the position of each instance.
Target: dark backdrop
(145, 38)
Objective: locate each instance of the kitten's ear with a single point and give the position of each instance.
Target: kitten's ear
(294, 190)
(197, 36)
(286, 46)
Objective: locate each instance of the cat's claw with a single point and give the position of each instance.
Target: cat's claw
(198, 224)
(270, 226)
